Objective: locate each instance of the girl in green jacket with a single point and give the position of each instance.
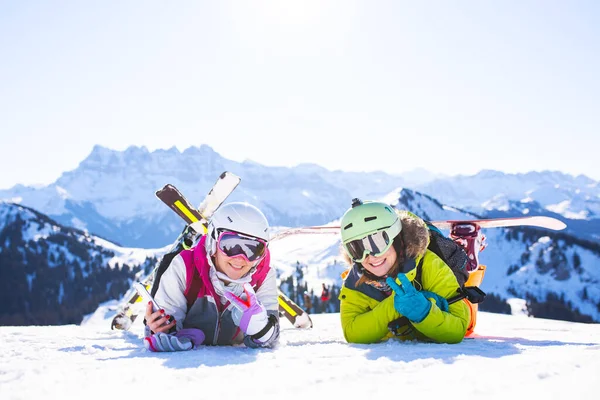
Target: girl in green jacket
(384, 247)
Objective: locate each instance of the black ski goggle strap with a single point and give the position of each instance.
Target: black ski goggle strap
(375, 244)
(233, 244)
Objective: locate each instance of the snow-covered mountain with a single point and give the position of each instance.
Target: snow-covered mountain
(52, 274)
(111, 193)
(513, 357)
(576, 198)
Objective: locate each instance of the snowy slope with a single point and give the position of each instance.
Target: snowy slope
(512, 358)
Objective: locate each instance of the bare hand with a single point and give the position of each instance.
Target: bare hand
(158, 321)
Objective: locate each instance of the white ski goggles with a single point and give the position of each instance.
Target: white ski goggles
(234, 244)
(374, 244)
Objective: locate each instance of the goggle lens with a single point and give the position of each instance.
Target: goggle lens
(375, 244)
(233, 244)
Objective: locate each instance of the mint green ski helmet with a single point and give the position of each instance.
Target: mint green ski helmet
(365, 219)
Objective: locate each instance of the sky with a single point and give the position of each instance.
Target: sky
(513, 357)
(453, 87)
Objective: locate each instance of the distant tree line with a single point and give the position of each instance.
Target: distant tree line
(324, 300)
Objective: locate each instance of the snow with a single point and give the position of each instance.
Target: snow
(112, 189)
(129, 255)
(392, 197)
(320, 252)
(563, 208)
(518, 306)
(492, 190)
(499, 202)
(511, 357)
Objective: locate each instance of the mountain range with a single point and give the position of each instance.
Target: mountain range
(111, 193)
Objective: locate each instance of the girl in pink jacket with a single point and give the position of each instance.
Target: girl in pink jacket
(221, 291)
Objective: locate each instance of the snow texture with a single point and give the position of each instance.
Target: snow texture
(512, 357)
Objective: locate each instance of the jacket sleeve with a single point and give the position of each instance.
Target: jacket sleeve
(171, 291)
(365, 320)
(445, 327)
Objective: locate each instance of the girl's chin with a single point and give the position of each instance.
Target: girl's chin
(380, 273)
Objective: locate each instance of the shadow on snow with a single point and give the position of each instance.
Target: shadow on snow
(208, 356)
(482, 346)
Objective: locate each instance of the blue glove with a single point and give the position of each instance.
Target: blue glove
(408, 301)
(441, 302)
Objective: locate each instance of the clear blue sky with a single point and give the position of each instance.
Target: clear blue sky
(356, 85)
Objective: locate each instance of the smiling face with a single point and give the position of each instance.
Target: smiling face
(233, 267)
(381, 265)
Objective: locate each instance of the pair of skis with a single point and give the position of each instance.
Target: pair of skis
(465, 232)
(197, 223)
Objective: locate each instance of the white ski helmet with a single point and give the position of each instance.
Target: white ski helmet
(237, 217)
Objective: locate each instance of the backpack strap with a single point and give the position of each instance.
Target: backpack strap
(162, 267)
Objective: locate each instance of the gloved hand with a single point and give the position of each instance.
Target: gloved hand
(408, 301)
(254, 320)
(183, 340)
(441, 302)
(160, 342)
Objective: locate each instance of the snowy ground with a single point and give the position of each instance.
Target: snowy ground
(514, 356)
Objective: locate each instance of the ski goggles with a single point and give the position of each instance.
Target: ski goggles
(234, 244)
(374, 244)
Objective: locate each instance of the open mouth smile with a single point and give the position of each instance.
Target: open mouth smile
(236, 267)
(378, 263)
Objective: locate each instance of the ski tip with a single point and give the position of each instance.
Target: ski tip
(560, 225)
(303, 321)
(120, 322)
(534, 221)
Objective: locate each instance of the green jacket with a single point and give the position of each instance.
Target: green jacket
(365, 311)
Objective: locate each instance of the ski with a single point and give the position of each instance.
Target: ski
(536, 221)
(197, 218)
(292, 311)
(176, 202)
(308, 230)
(465, 232)
(171, 195)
